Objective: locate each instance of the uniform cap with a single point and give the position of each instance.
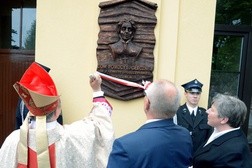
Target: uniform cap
(193, 86)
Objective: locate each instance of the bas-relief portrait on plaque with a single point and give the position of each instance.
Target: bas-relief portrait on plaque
(125, 45)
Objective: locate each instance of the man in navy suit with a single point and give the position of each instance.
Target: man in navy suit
(159, 143)
(227, 147)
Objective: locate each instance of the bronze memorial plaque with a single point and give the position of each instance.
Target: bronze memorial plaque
(126, 42)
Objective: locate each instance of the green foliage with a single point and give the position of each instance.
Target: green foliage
(234, 12)
(30, 39)
(13, 32)
(226, 53)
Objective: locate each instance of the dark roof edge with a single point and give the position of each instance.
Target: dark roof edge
(116, 2)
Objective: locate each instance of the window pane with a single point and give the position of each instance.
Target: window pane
(223, 82)
(234, 12)
(15, 28)
(28, 29)
(17, 24)
(9, 27)
(227, 53)
(226, 61)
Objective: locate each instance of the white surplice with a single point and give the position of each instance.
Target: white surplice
(82, 144)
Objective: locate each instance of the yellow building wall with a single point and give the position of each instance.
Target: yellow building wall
(66, 41)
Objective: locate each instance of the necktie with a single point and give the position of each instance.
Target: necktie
(193, 116)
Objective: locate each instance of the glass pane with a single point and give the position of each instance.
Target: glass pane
(9, 24)
(234, 12)
(12, 15)
(15, 28)
(227, 53)
(28, 29)
(226, 61)
(223, 82)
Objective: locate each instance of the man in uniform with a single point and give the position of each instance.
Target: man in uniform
(193, 117)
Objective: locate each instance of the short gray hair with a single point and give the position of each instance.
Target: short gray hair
(232, 108)
(164, 98)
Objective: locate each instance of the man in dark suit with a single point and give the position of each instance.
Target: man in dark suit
(227, 147)
(159, 142)
(193, 117)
